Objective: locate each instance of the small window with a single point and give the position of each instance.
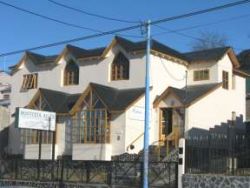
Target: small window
(120, 68)
(225, 80)
(6, 96)
(71, 74)
(201, 75)
(30, 81)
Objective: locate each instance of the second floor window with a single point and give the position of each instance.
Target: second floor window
(225, 80)
(201, 75)
(71, 74)
(120, 68)
(30, 81)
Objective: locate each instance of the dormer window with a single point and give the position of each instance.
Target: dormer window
(30, 81)
(120, 68)
(200, 75)
(71, 74)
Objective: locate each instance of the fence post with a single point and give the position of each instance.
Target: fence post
(16, 168)
(87, 171)
(181, 165)
(141, 174)
(62, 172)
(110, 170)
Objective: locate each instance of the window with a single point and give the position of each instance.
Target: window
(71, 74)
(6, 96)
(201, 75)
(31, 136)
(91, 125)
(225, 80)
(120, 68)
(30, 81)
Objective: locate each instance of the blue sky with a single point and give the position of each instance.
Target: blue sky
(20, 30)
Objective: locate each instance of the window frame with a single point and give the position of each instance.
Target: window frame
(201, 75)
(30, 81)
(71, 74)
(225, 79)
(120, 68)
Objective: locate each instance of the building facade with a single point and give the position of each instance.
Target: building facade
(98, 95)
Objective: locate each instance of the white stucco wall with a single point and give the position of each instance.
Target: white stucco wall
(31, 151)
(117, 134)
(216, 107)
(166, 73)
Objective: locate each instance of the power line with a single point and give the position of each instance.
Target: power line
(48, 18)
(185, 35)
(170, 74)
(229, 5)
(59, 21)
(92, 14)
(130, 27)
(203, 25)
(70, 40)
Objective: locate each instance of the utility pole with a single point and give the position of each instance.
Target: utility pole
(147, 106)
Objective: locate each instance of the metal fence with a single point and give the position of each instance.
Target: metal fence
(223, 149)
(105, 173)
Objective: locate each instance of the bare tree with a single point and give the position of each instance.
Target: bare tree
(208, 40)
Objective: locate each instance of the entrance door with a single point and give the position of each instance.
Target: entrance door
(166, 120)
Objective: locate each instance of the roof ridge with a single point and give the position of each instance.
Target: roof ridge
(209, 49)
(56, 91)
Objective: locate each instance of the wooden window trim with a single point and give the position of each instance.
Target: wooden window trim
(30, 81)
(120, 68)
(71, 74)
(201, 75)
(225, 79)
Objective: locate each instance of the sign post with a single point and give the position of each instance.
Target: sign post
(41, 121)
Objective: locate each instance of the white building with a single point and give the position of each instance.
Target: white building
(5, 89)
(98, 96)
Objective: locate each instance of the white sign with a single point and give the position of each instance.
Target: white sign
(35, 119)
(137, 113)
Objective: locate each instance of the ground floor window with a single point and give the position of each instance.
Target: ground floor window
(91, 126)
(31, 136)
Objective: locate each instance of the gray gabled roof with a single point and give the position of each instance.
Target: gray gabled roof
(58, 102)
(117, 99)
(130, 46)
(189, 94)
(39, 59)
(113, 99)
(208, 55)
(83, 53)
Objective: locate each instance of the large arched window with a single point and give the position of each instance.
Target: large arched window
(120, 68)
(71, 74)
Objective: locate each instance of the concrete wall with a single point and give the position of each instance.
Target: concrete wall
(92, 152)
(215, 181)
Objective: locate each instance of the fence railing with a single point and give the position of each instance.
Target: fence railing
(221, 150)
(124, 173)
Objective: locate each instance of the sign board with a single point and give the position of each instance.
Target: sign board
(35, 119)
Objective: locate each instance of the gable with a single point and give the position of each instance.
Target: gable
(185, 96)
